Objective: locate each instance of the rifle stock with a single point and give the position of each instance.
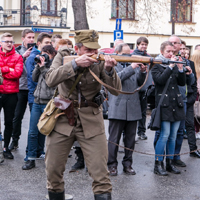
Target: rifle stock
(123, 58)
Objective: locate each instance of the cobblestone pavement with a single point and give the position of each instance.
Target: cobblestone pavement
(16, 184)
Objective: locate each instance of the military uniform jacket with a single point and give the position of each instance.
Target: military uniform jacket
(126, 107)
(64, 76)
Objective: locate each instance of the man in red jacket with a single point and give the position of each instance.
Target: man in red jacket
(11, 65)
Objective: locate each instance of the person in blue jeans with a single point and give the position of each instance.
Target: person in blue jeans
(42, 95)
(42, 40)
(172, 107)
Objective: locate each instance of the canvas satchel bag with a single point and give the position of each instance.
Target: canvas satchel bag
(155, 120)
(55, 108)
(49, 117)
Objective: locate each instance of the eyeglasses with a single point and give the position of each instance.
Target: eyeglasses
(7, 42)
(176, 43)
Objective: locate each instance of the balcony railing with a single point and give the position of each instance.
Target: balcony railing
(33, 17)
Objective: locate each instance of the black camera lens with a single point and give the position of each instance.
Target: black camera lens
(37, 58)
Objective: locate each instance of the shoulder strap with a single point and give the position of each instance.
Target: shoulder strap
(73, 86)
(76, 82)
(163, 93)
(119, 91)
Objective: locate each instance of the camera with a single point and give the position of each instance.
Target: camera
(37, 59)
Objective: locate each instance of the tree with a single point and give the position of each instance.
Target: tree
(80, 17)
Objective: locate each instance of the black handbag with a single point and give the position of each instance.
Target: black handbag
(155, 120)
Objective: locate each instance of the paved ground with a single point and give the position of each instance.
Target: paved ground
(16, 184)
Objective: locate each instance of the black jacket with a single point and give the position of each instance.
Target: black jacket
(172, 106)
(192, 89)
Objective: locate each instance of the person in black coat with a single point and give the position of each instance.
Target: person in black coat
(172, 111)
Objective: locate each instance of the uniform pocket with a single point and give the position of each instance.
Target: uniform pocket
(180, 100)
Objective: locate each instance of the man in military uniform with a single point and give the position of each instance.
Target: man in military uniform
(89, 128)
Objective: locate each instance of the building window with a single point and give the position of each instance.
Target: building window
(124, 9)
(183, 10)
(49, 7)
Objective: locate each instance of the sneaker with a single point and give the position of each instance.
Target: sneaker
(198, 136)
(142, 136)
(7, 154)
(185, 136)
(13, 146)
(41, 157)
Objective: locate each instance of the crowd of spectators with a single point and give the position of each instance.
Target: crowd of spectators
(22, 79)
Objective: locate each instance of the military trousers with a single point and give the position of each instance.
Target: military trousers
(95, 154)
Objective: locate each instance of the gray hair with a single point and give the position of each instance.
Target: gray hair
(119, 47)
(118, 40)
(176, 37)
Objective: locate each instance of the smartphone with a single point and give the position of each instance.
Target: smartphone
(29, 45)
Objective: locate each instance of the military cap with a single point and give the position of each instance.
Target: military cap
(89, 38)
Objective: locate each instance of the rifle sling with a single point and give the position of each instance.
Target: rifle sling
(119, 91)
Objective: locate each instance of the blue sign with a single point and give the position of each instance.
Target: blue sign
(118, 24)
(40, 30)
(118, 34)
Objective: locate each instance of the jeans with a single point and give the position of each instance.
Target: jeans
(8, 102)
(166, 139)
(179, 138)
(35, 139)
(19, 114)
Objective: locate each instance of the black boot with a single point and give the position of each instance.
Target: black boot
(80, 160)
(29, 165)
(171, 168)
(105, 196)
(7, 154)
(159, 168)
(56, 195)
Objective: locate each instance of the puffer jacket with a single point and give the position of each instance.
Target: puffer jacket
(42, 92)
(11, 78)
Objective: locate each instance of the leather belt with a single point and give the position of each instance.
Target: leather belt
(85, 104)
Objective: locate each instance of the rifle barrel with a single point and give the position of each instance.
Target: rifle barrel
(125, 58)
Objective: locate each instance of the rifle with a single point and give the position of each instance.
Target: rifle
(127, 58)
(124, 58)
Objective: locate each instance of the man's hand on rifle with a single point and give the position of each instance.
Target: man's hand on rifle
(143, 68)
(109, 63)
(85, 60)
